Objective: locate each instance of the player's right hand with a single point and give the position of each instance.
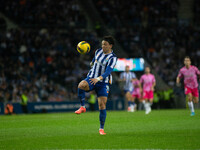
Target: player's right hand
(93, 81)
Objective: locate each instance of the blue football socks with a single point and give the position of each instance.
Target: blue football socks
(81, 95)
(102, 118)
(129, 103)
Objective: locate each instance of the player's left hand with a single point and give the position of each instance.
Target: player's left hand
(93, 81)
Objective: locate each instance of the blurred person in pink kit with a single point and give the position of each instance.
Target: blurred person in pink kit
(148, 83)
(189, 73)
(136, 94)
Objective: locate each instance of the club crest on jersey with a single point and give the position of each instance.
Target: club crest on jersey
(107, 88)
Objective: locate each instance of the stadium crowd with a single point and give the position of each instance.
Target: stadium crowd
(47, 13)
(44, 63)
(40, 59)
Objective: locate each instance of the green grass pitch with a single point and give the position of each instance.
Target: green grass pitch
(161, 129)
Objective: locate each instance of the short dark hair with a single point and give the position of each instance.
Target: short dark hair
(187, 57)
(109, 39)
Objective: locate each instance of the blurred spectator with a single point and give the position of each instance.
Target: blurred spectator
(92, 100)
(9, 109)
(24, 101)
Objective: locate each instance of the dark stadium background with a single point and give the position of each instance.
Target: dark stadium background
(38, 44)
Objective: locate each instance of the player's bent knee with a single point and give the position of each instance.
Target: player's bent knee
(102, 102)
(151, 100)
(196, 100)
(83, 85)
(102, 106)
(190, 99)
(141, 100)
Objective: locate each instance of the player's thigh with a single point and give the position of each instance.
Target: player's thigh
(150, 96)
(188, 93)
(102, 100)
(189, 96)
(195, 94)
(195, 99)
(151, 100)
(141, 100)
(133, 98)
(145, 95)
(102, 89)
(84, 85)
(128, 95)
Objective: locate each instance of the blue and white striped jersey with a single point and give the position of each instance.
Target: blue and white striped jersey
(101, 61)
(128, 76)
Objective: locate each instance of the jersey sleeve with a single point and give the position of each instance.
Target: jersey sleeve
(180, 74)
(107, 72)
(112, 62)
(197, 71)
